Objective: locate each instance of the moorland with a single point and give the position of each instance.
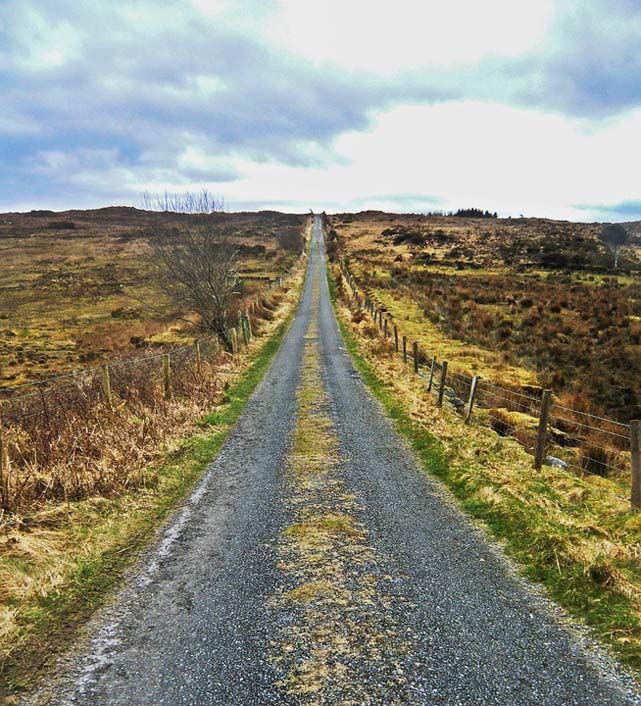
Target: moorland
(79, 287)
(524, 302)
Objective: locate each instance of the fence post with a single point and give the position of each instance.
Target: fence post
(198, 357)
(106, 385)
(405, 349)
(166, 375)
(441, 387)
(415, 351)
(395, 338)
(470, 403)
(539, 449)
(431, 380)
(635, 449)
(245, 332)
(233, 335)
(4, 469)
(385, 328)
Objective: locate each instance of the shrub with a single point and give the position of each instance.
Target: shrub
(596, 460)
(61, 225)
(501, 423)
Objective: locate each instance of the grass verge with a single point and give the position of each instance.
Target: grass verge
(98, 539)
(574, 535)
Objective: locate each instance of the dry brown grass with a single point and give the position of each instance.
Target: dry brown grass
(109, 477)
(65, 442)
(518, 301)
(574, 533)
(71, 297)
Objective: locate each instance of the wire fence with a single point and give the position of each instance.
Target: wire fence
(554, 434)
(57, 434)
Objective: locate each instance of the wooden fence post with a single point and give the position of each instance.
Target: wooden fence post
(415, 352)
(405, 349)
(244, 330)
(233, 335)
(197, 357)
(635, 449)
(106, 385)
(441, 387)
(539, 449)
(166, 375)
(385, 328)
(470, 403)
(4, 469)
(431, 380)
(395, 338)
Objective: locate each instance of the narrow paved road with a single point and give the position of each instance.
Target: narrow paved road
(316, 564)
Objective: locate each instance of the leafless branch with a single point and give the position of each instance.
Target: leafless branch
(199, 272)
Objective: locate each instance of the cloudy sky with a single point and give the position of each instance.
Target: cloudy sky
(519, 106)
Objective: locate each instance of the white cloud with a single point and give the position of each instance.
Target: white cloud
(339, 104)
(210, 8)
(467, 154)
(385, 37)
(45, 46)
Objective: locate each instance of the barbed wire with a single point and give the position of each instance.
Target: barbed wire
(487, 383)
(600, 430)
(592, 416)
(488, 391)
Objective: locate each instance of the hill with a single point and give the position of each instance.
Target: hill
(532, 302)
(79, 286)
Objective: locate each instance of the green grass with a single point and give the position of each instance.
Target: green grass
(52, 622)
(526, 533)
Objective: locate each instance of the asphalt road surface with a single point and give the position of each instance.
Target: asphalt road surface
(317, 564)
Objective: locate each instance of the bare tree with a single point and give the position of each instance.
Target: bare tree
(615, 236)
(202, 202)
(199, 271)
